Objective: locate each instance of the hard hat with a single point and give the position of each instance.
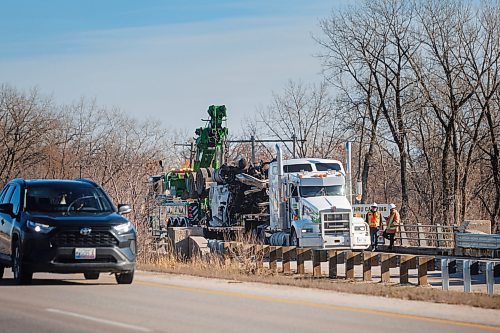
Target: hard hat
(374, 205)
(392, 206)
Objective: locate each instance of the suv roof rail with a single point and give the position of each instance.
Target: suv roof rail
(87, 181)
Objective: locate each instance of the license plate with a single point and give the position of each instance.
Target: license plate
(85, 253)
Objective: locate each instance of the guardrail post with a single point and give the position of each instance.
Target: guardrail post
(273, 266)
(300, 261)
(385, 274)
(393, 262)
(367, 266)
(423, 263)
(404, 266)
(226, 252)
(287, 256)
(316, 261)
(265, 252)
(466, 276)
(490, 279)
(259, 256)
(332, 264)
(445, 275)
(349, 265)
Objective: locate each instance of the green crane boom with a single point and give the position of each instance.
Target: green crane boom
(211, 139)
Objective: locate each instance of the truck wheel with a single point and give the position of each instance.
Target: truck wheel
(294, 241)
(124, 278)
(91, 276)
(22, 275)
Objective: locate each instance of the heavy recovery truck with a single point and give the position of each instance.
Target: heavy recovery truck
(298, 201)
(179, 194)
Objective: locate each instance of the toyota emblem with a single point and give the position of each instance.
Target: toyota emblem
(85, 231)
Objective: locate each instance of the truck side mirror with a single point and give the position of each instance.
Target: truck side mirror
(7, 208)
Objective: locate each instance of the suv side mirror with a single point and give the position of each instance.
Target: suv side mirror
(123, 209)
(7, 208)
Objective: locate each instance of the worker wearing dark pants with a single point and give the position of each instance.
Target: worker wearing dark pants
(374, 219)
(392, 225)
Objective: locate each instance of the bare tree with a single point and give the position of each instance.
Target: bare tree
(308, 113)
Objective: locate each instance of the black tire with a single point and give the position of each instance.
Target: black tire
(2, 269)
(22, 275)
(294, 240)
(91, 276)
(124, 278)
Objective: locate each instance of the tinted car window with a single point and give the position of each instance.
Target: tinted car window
(15, 199)
(66, 199)
(327, 166)
(4, 191)
(8, 194)
(297, 167)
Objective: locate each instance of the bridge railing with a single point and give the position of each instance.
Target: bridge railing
(426, 235)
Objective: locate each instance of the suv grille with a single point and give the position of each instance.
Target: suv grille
(75, 239)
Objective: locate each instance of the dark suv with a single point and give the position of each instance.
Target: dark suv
(64, 226)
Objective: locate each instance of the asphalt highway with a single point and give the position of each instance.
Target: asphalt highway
(172, 303)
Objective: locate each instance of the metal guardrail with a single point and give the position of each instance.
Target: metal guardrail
(489, 272)
(477, 241)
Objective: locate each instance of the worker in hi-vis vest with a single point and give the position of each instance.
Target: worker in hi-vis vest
(393, 222)
(374, 220)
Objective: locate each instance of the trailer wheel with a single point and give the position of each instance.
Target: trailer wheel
(294, 240)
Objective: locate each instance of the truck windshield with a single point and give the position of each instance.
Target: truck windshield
(327, 166)
(66, 199)
(318, 191)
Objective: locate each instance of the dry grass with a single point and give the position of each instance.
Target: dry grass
(243, 268)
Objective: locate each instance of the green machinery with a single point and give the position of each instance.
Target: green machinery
(186, 188)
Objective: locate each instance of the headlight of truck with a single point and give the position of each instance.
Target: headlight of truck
(39, 227)
(307, 230)
(123, 228)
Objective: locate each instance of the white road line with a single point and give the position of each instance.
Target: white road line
(99, 320)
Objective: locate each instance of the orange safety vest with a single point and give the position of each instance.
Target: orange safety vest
(373, 219)
(393, 223)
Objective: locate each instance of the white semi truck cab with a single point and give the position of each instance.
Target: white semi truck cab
(307, 203)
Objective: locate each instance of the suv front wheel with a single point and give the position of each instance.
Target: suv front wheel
(124, 278)
(22, 275)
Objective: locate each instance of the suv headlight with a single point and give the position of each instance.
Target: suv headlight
(39, 227)
(123, 228)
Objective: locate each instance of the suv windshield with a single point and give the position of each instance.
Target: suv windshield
(318, 191)
(66, 199)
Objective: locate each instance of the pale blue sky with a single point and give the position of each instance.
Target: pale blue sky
(166, 60)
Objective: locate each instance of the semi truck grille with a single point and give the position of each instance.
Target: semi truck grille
(75, 239)
(335, 224)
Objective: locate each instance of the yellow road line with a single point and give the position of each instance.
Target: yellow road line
(316, 305)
